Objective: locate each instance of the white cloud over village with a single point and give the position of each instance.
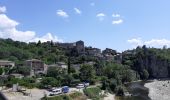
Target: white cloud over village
(158, 43)
(115, 15)
(77, 11)
(62, 13)
(119, 21)
(46, 37)
(100, 16)
(8, 30)
(2, 9)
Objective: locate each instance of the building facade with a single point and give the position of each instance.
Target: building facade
(37, 66)
(7, 64)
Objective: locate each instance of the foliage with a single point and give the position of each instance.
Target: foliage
(72, 96)
(20, 51)
(27, 82)
(93, 93)
(24, 70)
(75, 95)
(145, 74)
(87, 73)
(115, 75)
(55, 72)
(1, 71)
(49, 81)
(120, 91)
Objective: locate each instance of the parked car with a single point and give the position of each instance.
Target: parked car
(86, 84)
(56, 91)
(51, 89)
(65, 89)
(79, 86)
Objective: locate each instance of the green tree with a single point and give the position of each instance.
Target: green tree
(39, 43)
(69, 65)
(120, 91)
(25, 70)
(1, 71)
(50, 81)
(55, 72)
(145, 74)
(87, 73)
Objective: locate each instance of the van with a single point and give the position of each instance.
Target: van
(56, 91)
(65, 89)
(79, 86)
(86, 84)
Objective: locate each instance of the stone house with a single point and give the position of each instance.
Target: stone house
(93, 51)
(59, 64)
(37, 66)
(7, 64)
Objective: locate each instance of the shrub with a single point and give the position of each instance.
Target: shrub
(92, 93)
(120, 91)
(75, 95)
(145, 74)
(72, 96)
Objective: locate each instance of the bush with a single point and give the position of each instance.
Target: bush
(75, 95)
(113, 84)
(1, 71)
(145, 74)
(72, 96)
(53, 98)
(92, 93)
(120, 91)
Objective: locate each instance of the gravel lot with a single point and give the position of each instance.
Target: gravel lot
(159, 90)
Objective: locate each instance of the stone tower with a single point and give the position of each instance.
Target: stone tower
(80, 47)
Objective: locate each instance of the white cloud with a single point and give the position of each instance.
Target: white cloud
(115, 15)
(135, 42)
(63, 14)
(2, 9)
(92, 4)
(119, 21)
(101, 16)
(8, 30)
(47, 37)
(159, 43)
(78, 11)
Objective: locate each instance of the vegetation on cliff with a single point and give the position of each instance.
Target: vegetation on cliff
(140, 63)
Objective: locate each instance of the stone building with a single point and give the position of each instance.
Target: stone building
(66, 45)
(37, 66)
(108, 51)
(59, 65)
(93, 51)
(5, 63)
(80, 47)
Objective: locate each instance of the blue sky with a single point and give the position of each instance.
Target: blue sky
(116, 24)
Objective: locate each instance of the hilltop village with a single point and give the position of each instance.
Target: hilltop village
(77, 49)
(51, 64)
(59, 70)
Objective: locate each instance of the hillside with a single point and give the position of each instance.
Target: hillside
(19, 51)
(155, 61)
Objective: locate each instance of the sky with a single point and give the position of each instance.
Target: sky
(116, 24)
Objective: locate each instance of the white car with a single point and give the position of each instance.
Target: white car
(86, 84)
(79, 86)
(56, 91)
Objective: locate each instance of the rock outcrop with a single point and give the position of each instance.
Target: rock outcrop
(152, 60)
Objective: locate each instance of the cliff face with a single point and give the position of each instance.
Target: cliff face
(157, 67)
(154, 61)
